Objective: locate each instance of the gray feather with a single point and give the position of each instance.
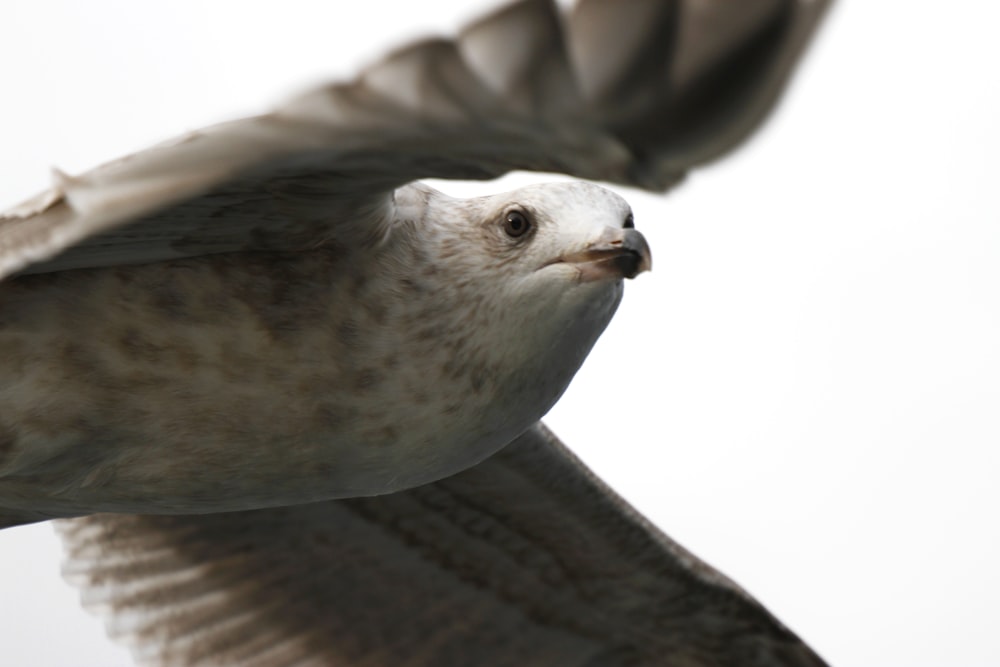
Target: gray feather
(526, 559)
(636, 97)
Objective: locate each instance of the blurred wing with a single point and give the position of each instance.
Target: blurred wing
(635, 93)
(524, 560)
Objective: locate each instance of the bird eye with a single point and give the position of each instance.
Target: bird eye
(629, 222)
(516, 224)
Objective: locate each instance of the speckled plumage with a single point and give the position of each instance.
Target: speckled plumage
(368, 364)
(271, 311)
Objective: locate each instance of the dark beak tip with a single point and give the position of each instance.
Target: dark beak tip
(628, 264)
(639, 257)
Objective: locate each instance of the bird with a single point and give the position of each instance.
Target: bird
(283, 283)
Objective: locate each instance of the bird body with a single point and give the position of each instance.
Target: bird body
(370, 363)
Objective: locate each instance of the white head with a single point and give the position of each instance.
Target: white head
(539, 269)
(554, 251)
(547, 238)
(495, 302)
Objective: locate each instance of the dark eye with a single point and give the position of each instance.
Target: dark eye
(629, 222)
(516, 224)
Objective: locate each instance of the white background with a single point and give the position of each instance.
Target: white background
(804, 391)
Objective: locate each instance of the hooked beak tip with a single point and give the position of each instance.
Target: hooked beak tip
(635, 243)
(620, 253)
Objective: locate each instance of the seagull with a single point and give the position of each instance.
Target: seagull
(308, 387)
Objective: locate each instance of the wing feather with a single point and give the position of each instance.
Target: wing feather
(635, 93)
(526, 559)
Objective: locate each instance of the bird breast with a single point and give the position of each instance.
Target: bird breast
(234, 381)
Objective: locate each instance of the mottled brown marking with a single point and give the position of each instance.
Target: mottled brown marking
(8, 442)
(323, 468)
(377, 310)
(412, 285)
(133, 344)
(140, 381)
(358, 284)
(429, 333)
(77, 360)
(184, 359)
(349, 333)
(329, 416)
(285, 292)
(456, 368)
(168, 299)
(367, 379)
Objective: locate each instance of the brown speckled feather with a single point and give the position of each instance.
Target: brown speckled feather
(526, 559)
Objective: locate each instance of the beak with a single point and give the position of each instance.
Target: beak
(619, 253)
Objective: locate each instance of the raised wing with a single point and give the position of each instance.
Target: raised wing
(526, 559)
(635, 93)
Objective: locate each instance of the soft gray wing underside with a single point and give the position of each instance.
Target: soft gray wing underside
(634, 93)
(524, 560)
